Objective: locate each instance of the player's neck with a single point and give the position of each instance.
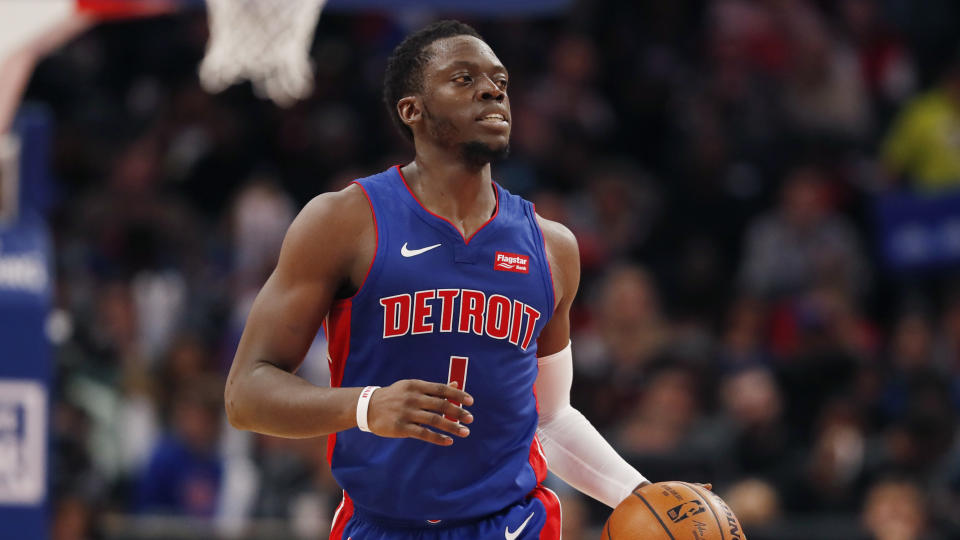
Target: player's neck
(453, 190)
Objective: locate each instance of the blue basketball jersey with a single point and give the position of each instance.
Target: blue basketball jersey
(438, 307)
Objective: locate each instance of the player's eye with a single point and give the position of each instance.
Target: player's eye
(463, 79)
(502, 83)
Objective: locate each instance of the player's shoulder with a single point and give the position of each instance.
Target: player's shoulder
(353, 202)
(331, 215)
(560, 240)
(563, 257)
(336, 204)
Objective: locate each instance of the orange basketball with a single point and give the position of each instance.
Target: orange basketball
(673, 511)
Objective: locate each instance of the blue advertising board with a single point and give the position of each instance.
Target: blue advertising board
(25, 294)
(919, 231)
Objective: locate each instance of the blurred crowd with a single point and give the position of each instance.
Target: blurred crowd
(718, 161)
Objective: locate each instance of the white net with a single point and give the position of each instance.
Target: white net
(265, 41)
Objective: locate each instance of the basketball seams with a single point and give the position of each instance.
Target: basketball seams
(607, 529)
(649, 507)
(707, 500)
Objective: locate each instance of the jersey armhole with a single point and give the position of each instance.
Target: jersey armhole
(376, 246)
(548, 274)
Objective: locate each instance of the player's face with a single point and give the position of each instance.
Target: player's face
(465, 101)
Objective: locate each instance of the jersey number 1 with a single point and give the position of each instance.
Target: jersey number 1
(458, 373)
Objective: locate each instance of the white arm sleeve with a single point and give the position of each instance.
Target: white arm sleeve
(575, 450)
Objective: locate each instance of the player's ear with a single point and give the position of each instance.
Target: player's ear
(410, 110)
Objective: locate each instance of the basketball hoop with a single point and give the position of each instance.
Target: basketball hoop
(265, 41)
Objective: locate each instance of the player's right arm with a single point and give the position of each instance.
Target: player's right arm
(327, 250)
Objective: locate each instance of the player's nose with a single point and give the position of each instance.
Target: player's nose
(488, 90)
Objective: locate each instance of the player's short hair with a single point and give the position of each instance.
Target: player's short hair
(404, 73)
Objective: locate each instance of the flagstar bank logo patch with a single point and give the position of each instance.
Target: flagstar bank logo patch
(511, 262)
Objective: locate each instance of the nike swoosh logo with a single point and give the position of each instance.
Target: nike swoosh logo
(414, 252)
(512, 535)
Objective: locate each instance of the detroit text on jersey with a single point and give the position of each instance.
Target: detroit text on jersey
(495, 316)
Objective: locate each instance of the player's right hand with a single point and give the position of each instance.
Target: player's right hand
(407, 407)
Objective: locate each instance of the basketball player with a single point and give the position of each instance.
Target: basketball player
(446, 304)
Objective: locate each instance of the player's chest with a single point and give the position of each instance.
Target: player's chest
(432, 284)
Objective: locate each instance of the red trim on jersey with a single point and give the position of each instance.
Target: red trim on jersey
(337, 324)
(553, 289)
(376, 238)
(536, 400)
(337, 327)
(465, 240)
(551, 529)
(341, 517)
(338, 339)
(537, 460)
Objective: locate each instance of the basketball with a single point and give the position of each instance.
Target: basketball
(670, 511)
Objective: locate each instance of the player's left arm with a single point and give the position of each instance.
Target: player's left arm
(575, 450)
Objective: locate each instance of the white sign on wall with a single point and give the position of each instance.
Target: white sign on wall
(23, 442)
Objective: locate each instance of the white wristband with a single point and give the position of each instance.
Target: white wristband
(362, 405)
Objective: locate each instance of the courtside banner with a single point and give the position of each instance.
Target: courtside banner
(25, 366)
(919, 232)
(24, 379)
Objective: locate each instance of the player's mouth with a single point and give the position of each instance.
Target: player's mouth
(493, 119)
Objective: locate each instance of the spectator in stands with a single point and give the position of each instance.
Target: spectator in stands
(922, 148)
(620, 208)
(895, 510)
(755, 502)
(824, 319)
(947, 349)
(661, 420)
(802, 243)
(824, 94)
(836, 463)
(886, 66)
(760, 441)
(743, 341)
(615, 351)
(184, 474)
